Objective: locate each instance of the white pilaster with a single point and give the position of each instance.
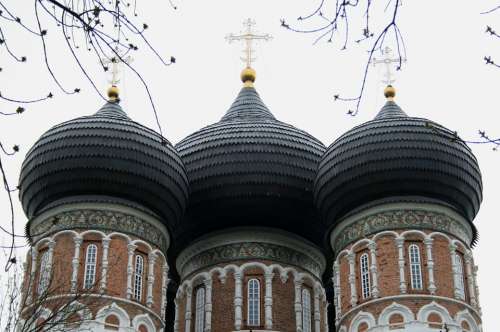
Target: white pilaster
(401, 263)
(352, 278)
(164, 285)
(34, 254)
(75, 262)
(430, 265)
(151, 278)
(105, 253)
(130, 268)
(238, 300)
(268, 300)
(325, 317)
(298, 304)
(189, 294)
(455, 271)
(373, 268)
(51, 246)
(176, 317)
(317, 312)
(337, 298)
(208, 304)
(474, 274)
(470, 279)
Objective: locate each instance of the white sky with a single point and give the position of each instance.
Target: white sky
(445, 79)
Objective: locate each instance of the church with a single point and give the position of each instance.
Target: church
(251, 224)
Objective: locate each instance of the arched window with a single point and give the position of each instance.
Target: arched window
(365, 276)
(253, 290)
(200, 310)
(460, 284)
(139, 270)
(112, 323)
(415, 267)
(306, 310)
(90, 266)
(43, 281)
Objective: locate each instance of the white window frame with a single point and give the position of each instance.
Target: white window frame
(364, 269)
(138, 277)
(44, 274)
(460, 282)
(253, 302)
(90, 266)
(415, 267)
(200, 310)
(306, 310)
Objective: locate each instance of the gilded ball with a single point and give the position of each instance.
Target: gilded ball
(389, 91)
(113, 93)
(248, 74)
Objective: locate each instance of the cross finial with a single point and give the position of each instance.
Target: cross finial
(248, 37)
(115, 61)
(388, 61)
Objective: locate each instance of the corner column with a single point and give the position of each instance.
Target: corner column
(430, 265)
(75, 262)
(401, 263)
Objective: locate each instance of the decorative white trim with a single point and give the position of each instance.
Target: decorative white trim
(362, 317)
(208, 304)
(143, 319)
(268, 300)
(434, 307)
(470, 278)
(113, 309)
(401, 263)
(311, 257)
(151, 278)
(164, 284)
(298, 304)
(430, 265)
(75, 262)
(337, 299)
(188, 314)
(104, 264)
(352, 278)
(394, 308)
(130, 268)
(238, 300)
(372, 246)
(176, 317)
(31, 286)
(465, 315)
(317, 312)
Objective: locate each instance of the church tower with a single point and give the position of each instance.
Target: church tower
(399, 195)
(101, 193)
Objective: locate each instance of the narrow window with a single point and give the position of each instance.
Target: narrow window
(460, 276)
(253, 289)
(90, 266)
(139, 269)
(200, 310)
(415, 267)
(306, 310)
(44, 279)
(365, 276)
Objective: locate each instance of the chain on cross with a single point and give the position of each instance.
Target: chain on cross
(248, 37)
(388, 61)
(115, 61)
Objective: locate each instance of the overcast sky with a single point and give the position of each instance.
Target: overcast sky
(445, 79)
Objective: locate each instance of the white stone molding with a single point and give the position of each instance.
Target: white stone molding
(238, 300)
(317, 312)
(145, 320)
(164, 284)
(362, 317)
(325, 316)
(208, 304)
(75, 262)
(337, 299)
(476, 288)
(176, 317)
(51, 244)
(372, 246)
(34, 254)
(352, 278)
(395, 308)
(188, 315)
(401, 263)
(465, 315)
(455, 270)
(470, 278)
(104, 264)
(298, 304)
(343, 329)
(130, 268)
(430, 265)
(113, 309)
(434, 307)
(151, 278)
(268, 299)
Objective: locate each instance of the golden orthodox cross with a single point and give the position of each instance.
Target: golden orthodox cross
(248, 37)
(389, 62)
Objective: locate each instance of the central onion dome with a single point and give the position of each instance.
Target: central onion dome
(250, 169)
(105, 157)
(400, 158)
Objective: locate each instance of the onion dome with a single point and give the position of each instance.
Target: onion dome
(397, 157)
(105, 157)
(250, 169)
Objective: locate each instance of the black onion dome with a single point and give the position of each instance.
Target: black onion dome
(395, 155)
(101, 157)
(250, 169)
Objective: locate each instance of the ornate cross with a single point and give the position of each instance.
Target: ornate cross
(388, 61)
(116, 60)
(248, 37)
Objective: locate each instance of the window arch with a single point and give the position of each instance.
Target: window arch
(306, 310)
(112, 322)
(253, 302)
(200, 310)
(415, 267)
(90, 266)
(138, 276)
(365, 276)
(459, 282)
(43, 281)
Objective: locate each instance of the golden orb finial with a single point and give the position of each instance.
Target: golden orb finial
(248, 76)
(389, 92)
(114, 94)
